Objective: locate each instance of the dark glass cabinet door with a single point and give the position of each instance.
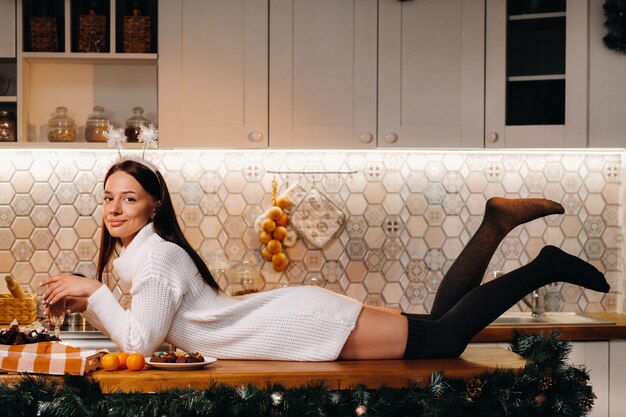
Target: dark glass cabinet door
(535, 62)
(536, 73)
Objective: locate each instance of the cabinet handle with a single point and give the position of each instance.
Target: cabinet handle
(493, 137)
(366, 137)
(255, 136)
(391, 137)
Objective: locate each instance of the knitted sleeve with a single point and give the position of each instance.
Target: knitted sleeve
(155, 300)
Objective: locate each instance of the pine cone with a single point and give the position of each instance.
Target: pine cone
(474, 388)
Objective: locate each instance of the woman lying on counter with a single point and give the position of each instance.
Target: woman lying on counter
(176, 300)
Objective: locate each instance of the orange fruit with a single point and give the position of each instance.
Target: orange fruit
(283, 220)
(264, 237)
(280, 233)
(268, 225)
(135, 362)
(122, 356)
(110, 362)
(283, 202)
(275, 212)
(279, 262)
(274, 246)
(266, 254)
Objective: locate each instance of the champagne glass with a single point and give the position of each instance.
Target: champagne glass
(56, 316)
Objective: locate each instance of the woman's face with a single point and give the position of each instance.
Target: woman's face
(127, 207)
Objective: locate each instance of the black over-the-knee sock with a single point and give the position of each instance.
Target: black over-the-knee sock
(449, 335)
(501, 216)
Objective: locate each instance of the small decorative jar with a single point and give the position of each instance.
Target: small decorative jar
(133, 125)
(249, 278)
(96, 126)
(8, 127)
(61, 128)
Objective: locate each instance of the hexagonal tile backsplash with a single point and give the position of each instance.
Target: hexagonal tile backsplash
(408, 215)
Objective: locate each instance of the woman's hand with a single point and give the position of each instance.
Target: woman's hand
(66, 285)
(72, 305)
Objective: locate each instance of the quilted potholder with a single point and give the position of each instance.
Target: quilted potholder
(317, 219)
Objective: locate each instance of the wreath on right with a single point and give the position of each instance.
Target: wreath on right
(615, 24)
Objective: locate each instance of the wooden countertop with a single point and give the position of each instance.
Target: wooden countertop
(338, 374)
(577, 332)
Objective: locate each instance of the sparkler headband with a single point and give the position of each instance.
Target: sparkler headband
(148, 135)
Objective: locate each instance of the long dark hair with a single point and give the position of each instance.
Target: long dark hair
(165, 222)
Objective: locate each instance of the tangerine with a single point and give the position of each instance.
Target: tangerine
(264, 237)
(274, 213)
(283, 220)
(274, 246)
(279, 262)
(110, 362)
(266, 254)
(122, 356)
(268, 225)
(135, 362)
(283, 202)
(280, 233)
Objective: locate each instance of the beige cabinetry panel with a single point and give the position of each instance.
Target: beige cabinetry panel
(213, 73)
(7, 29)
(323, 73)
(607, 86)
(431, 73)
(572, 132)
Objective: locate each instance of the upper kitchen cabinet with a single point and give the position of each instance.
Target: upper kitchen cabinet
(536, 73)
(7, 29)
(81, 54)
(8, 62)
(431, 73)
(323, 73)
(213, 73)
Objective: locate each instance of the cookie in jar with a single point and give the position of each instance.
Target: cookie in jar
(96, 126)
(61, 127)
(133, 124)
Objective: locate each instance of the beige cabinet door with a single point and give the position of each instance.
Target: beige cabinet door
(7, 29)
(607, 87)
(213, 73)
(322, 73)
(431, 73)
(506, 130)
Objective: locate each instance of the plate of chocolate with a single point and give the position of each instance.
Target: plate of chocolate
(178, 361)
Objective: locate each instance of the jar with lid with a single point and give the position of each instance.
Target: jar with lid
(250, 280)
(133, 125)
(8, 127)
(96, 126)
(61, 127)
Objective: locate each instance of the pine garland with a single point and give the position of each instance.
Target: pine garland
(615, 24)
(547, 386)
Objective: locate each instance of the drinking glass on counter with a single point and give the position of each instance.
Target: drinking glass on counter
(56, 316)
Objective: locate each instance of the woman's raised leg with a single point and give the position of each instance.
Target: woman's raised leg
(449, 335)
(501, 216)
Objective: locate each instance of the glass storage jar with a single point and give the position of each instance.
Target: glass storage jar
(61, 128)
(96, 126)
(8, 127)
(133, 125)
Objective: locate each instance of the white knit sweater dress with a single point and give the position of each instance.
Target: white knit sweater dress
(171, 303)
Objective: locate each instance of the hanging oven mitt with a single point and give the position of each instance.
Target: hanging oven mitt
(317, 219)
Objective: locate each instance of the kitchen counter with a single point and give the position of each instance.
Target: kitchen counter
(338, 374)
(575, 332)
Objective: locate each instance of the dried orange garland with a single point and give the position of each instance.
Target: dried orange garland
(274, 231)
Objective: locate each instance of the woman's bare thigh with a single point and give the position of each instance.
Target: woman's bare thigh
(380, 333)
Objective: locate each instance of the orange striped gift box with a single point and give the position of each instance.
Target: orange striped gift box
(52, 358)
